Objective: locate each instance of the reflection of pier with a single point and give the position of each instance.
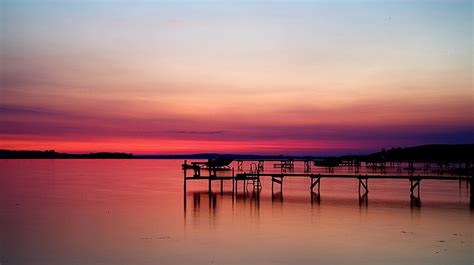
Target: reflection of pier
(253, 177)
(210, 200)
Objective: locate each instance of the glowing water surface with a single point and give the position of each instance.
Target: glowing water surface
(133, 212)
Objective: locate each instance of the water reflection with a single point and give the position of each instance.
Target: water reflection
(196, 202)
(276, 195)
(212, 199)
(135, 212)
(415, 201)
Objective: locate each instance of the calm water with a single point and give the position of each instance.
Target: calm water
(134, 212)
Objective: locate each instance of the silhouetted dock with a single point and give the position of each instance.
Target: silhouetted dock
(253, 178)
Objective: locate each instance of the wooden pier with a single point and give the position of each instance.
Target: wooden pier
(252, 178)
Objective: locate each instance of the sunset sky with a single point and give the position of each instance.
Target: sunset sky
(299, 77)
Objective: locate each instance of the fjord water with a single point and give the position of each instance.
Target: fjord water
(135, 212)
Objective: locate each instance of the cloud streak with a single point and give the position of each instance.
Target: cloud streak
(195, 132)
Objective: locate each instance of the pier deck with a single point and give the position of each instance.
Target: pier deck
(253, 178)
(355, 176)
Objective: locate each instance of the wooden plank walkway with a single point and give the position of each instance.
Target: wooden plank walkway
(354, 176)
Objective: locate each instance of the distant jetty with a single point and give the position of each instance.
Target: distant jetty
(51, 154)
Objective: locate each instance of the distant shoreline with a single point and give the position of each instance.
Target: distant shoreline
(435, 152)
(51, 154)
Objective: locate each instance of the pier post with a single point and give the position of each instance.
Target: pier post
(222, 186)
(281, 186)
(363, 197)
(240, 165)
(307, 165)
(279, 181)
(314, 183)
(261, 165)
(236, 188)
(319, 184)
(184, 201)
(415, 183)
(210, 182)
(415, 201)
(359, 185)
(233, 181)
(185, 166)
(364, 185)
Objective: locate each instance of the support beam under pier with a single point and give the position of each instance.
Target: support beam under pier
(279, 180)
(315, 181)
(364, 184)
